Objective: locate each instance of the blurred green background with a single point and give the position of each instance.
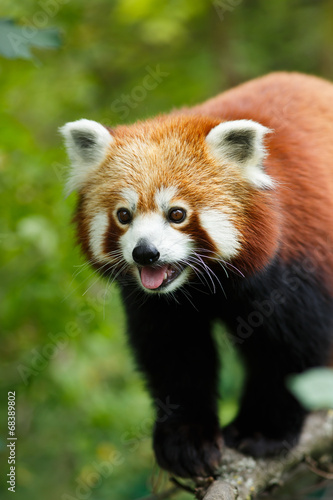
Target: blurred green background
(83, 416)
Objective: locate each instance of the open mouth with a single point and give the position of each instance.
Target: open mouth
(155, 278)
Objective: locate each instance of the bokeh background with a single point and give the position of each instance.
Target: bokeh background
(83, 416)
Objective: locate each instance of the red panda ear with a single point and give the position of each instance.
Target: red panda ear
(242, 142)
(87, 143)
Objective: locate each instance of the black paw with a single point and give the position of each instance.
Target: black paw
(257, 444)
(188, 450)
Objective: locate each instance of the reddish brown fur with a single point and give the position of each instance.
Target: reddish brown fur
(299, 110)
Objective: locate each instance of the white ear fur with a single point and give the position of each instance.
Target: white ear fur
(87, 143)
(242, 142)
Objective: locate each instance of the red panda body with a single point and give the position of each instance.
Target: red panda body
(295, 107)
(219, 212)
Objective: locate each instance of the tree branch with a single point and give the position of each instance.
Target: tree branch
(243, 477)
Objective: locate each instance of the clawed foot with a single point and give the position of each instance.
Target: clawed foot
(188, 450)
(194, 449)
(257, 444)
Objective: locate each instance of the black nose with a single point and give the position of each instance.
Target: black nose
(145, 254)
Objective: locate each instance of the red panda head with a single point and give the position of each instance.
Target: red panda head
(164, 201)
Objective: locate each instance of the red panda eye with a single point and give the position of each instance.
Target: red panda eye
(177, 215)
(124, 216)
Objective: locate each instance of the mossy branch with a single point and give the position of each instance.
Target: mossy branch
(243, 478)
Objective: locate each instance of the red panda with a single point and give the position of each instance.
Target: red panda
(221, 212)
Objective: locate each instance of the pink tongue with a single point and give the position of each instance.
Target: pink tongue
(152, 278)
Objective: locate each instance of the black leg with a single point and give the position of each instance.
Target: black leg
(270, 418)
(283, 329)
(174, 349)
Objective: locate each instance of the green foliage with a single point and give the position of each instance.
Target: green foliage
(314, 388)
(80, 402)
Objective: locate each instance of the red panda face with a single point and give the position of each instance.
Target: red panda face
(154, 242)
(163, 202)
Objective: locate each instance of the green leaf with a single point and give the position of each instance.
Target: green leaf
(16, 41)
(314, 388)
